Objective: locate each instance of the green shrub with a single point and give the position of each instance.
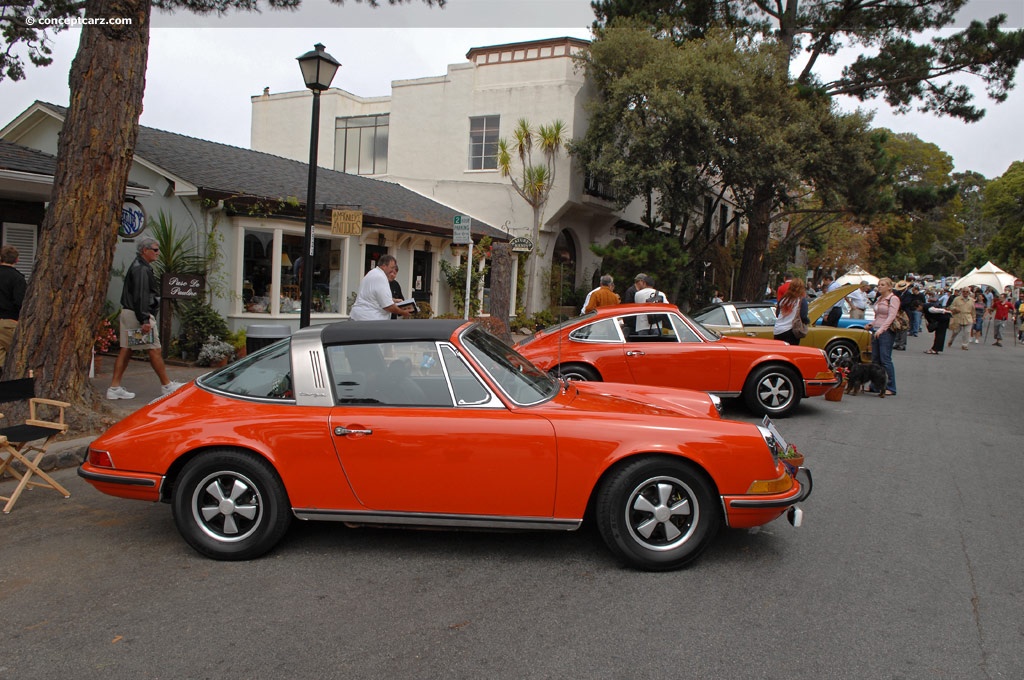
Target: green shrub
(198, 322)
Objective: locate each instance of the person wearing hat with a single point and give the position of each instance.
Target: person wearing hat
(902, 291)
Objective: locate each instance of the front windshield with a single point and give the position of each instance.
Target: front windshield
(520, 380)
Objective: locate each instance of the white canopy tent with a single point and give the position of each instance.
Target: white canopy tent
(987, 275)
(856, 275)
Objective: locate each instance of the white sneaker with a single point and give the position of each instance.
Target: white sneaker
(170, 387)
(119, 393)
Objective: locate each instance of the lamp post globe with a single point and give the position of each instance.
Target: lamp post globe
(318, 69)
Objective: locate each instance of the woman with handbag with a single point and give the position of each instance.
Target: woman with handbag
(793, 323)
(887, 309)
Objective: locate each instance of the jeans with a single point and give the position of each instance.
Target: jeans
(881, 353)
(915, 321)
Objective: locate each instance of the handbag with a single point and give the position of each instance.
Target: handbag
(900, 323)
(800, 329)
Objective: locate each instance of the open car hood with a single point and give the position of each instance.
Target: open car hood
(822, 303)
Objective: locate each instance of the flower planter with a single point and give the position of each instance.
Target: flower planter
(836, 393)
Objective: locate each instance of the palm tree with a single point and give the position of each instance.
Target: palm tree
(535, 179)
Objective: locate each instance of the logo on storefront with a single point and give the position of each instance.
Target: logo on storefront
(133, 219)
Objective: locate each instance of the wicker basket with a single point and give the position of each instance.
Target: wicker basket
(836, 393)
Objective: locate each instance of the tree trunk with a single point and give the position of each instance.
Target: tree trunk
(753, 273)
(78, 236)
(502, 263)
(531, 270)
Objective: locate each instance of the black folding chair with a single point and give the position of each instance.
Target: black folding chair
(19, 442)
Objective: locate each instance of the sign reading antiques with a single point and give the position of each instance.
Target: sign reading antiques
(521, 244)
(182, 286)
(346, 222)
(133, 219)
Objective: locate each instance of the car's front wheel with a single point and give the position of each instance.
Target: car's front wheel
(230, 505)
(657, 513)
(842, 350)
(773, 391)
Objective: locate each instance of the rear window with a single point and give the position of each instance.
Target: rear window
(266, 374)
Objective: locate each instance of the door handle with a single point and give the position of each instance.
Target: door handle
(342, 431)
(635, 353)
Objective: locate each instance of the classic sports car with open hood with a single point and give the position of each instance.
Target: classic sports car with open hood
(438, 423)
(757, 320)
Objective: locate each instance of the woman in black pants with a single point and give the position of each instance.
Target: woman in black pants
(937, 317)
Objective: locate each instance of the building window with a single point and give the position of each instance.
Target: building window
(361, 145)
(483, 142)
(273, 267)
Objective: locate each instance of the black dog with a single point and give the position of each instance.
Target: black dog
(859, 375)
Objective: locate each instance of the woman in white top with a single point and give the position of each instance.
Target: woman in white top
(793, 303)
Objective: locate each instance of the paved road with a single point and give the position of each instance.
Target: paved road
(908, 566)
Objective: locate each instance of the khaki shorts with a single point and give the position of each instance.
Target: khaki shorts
(130, 324)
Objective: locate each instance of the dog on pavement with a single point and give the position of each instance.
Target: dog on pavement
(859, 375)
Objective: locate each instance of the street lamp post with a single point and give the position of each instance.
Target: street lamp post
(318, 69)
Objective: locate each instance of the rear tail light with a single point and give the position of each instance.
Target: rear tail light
(100, 458)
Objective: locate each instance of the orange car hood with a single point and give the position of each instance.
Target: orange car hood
(602, 397)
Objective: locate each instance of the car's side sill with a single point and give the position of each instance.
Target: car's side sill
(439, 520)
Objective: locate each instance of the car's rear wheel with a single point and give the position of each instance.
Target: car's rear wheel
(773, 391)
(577, 372)
(841, 349)
(230, 505)
(657, 513)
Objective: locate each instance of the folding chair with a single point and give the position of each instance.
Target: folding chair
(18, 442)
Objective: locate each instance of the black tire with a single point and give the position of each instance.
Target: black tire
(657, 513)
(773, 390)
(577, 372)
(230, 505)
(840, 349)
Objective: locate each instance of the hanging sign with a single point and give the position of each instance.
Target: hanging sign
(133, 219)
(347, 222)
(521, 244)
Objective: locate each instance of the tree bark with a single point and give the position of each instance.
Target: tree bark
(753, 273)
(502, 263)
(78, 236)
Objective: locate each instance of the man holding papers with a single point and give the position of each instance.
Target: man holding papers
(374, 301)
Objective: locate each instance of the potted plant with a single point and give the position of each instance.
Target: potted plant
(791, 457)
(106, 337)
(237, 340)
(215, 352)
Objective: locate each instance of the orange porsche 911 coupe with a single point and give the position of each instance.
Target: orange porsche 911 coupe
(656, 344)
(438, 423)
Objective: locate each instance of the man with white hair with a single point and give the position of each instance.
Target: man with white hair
(601, 296)
(859, 300)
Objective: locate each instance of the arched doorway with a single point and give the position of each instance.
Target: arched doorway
(563, 270)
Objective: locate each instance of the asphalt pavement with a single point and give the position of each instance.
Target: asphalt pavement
(907, 566)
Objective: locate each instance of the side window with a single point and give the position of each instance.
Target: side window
(266, 374)
(392, 374)
(682, 332)
(466, 387)
(713, 317)
(751, 316)
(605, 330)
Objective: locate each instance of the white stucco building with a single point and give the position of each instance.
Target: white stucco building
(437, 135)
